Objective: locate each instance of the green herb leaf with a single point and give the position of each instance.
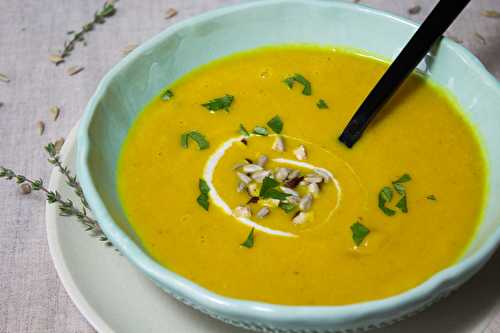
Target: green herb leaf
(259, 130)
(322, 104)
(403, 204)
(243, 130)
(432, 197)
(197, 137)
(385, 196)
(299, 79)
(276, 124)
(203, 186)
(167, 95)
(248, 243)
(359, 232)
(403, 179)
(203, 201)
(275, 194)
(221, 103)
(287, 207)
(184, 140)
(267, 184)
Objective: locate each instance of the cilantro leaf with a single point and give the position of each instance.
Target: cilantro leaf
(243, 130)
(287, 207)
(203, 186)
(203, 201)
(359, 232)
(220, 103)
(403, 204)
(259, 130)
(248, 243)
(321, 104)
(167, 95)
(276, 124)
(290, 81)
(385, 195)
(197, 137)
(267, 184)
(275, 194)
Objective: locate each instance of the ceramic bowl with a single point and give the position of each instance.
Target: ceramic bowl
(139, 77)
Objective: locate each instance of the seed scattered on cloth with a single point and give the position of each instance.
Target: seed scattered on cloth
(480, 38)
(55, 111)
(40, 126)
(129, 48)
(414, 10)
(73, 70)
(490, 13)
(171, 12)
(56, 59)
(4, 78)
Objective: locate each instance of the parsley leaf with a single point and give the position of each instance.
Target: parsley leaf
(385, 196)
(243, 130)
(203, 201)
(203, 186)
(275, 194)
(221, 103)
(322, 104)
(267, 184)
(276, 124)
(359, 232)
(403, 179)
(290, 81)
(432, 197)
(259, 130)
(398, 184)
(167, 95)
(403, 204)
(197, 137)
(287, 207)
(248, 243)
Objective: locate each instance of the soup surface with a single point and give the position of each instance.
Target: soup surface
(317, 223)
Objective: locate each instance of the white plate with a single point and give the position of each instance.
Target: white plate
(114, 297)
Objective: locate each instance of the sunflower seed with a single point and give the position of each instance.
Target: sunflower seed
(313, 188)
(491, 13)
(171, 12)
(306, 202)
(55, 112)
(129, 48)
(313, 178)
(281, 173)
(4, 78)
(244, 178)
(289, 191)
(58, 144)
(294, 174)
(270, 202)
(279, 144)
(73, 70)
(300, 153)
(241, 187)
(260, 175)
(242, 211)
(238, 165)
(56, 59)
(251, 168)
(326, 177)
(262, 160)
(40, 126)
(252, 190)
(300, 218)
(263, 212)
(293, 199)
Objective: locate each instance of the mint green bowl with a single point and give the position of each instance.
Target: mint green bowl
(139, 77)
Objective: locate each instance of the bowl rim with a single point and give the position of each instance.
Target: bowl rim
(254, 309)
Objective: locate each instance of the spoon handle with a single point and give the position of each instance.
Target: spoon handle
(433, 27)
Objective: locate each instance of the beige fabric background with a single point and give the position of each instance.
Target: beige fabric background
(31, 297)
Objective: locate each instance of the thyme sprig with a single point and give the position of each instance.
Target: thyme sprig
(107, 10)
(71, 180)
(66, 206)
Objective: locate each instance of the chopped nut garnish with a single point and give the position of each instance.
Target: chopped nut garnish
(313, 178)
(313, 188)
(244, 178)
(270, 202)
(300, 218)
(263, 212)
(293, 199)
(289, 191)
(253, 190)
(306, 202)
(241, 187)
(242, 211)
(279, 144)
(300, 153)
(251, 168)
(326, 177)
(281, 173)
(260, 175)
(262, 160)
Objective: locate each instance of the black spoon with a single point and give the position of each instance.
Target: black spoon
(431, 30)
